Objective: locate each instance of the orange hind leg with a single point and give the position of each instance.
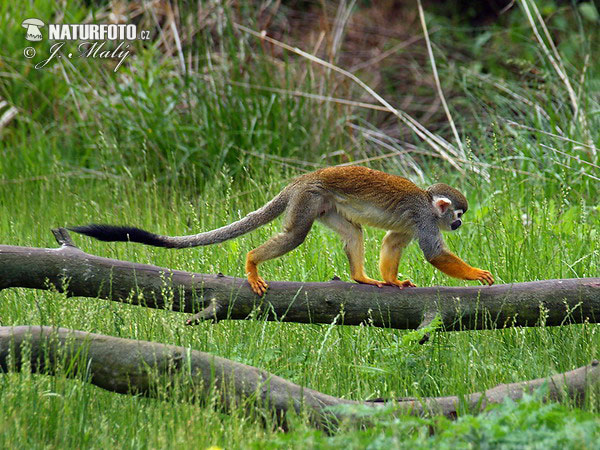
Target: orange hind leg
(302, 211)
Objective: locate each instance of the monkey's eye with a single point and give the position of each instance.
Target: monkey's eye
(459, 215)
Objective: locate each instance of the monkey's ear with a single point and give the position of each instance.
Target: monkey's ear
(441, 205)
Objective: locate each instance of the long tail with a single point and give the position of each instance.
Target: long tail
(252, 221)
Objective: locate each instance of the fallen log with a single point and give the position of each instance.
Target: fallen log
(129, 366)
(78, 274)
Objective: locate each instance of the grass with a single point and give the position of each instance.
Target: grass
(175, 153)
(352, 362)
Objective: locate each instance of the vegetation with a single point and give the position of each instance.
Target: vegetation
(178, 150)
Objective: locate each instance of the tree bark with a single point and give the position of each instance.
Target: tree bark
(137, 367)
(217, 297)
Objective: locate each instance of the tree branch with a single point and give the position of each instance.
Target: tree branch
(217, 297)
(136, 367)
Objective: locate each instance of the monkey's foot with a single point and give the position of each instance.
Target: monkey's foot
(257, 284)
(367, 280)
(400, 284)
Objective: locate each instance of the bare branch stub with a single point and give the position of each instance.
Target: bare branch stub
(63, 237)
(427, 319)
(211, 312)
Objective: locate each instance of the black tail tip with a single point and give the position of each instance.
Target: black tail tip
(114, 233)
(83, 229)
(107, 233)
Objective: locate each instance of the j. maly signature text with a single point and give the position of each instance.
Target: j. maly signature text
(95, 50)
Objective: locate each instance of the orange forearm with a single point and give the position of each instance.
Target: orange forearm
(455, 267)
(452, 265)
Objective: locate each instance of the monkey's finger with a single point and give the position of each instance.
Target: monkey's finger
(258, 290)
(262, 290)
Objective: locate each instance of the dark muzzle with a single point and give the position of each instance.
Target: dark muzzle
(456, 224)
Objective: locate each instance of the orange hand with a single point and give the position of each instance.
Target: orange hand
(482, 275)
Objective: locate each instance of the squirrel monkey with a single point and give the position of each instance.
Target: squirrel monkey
(343, 199)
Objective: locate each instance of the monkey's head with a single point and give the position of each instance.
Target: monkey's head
(449, 205)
